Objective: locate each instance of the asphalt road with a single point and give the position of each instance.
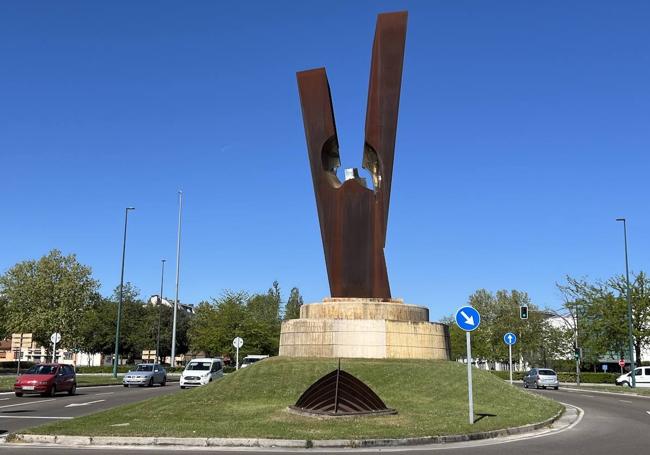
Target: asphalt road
(612, 423)
(32, 410)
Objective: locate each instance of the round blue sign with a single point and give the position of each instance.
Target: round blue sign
(509, 338)
(468, 318)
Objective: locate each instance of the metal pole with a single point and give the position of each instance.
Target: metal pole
(469, 379)
(577, 349)
(178, 271)
(54, 352)
(510, 357)
(629, 306)
(237, 357)
(119, 305)
(20, 352)
(162, 277)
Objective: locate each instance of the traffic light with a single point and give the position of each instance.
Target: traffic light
(577, 353)
(523, 312)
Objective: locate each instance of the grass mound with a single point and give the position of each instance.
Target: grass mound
(430, 396)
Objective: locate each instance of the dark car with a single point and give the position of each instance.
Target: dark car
(47, 379)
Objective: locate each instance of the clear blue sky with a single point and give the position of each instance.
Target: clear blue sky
(524, 131)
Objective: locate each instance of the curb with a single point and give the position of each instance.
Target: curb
(77, 441)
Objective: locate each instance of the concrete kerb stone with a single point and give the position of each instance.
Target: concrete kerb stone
(283, 443)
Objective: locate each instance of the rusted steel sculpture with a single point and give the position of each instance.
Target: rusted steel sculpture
(340, 394)
(354, 218)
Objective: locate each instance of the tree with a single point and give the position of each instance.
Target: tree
(601, 311)
(48, 295)
(292, 308)
(537, 340)
(4, 330)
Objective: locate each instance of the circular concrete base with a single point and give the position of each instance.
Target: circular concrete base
(364, 328)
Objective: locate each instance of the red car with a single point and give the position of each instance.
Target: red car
(47, 379)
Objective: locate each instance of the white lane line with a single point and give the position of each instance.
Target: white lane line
(590, 396)
(72, 405)
(648, 412)
(25, 403)
(104, 393)
(35, 417)
(625, 401)
(3, 399)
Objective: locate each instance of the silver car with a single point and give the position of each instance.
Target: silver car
(541, 377)
(146, 374)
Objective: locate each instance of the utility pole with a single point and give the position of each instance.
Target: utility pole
(119, 305)
(160, 301)
(629, 306)
(178, 271)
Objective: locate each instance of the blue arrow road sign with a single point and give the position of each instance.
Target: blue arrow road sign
(509, 338)
(468, 318)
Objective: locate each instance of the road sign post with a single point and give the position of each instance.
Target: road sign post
(621, 363)
(55, 338)
(468, 319)
(237, 343)
(510, 339)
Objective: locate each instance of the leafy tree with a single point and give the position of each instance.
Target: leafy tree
(601, 312)
(292, 308)
(4, 330)
(537, 340)
(48, 295)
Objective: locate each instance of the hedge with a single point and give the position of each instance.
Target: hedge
(586, 377)
(120, 369)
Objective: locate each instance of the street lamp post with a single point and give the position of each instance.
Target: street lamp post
(178, 268)
(119, 305)
(162, 278)
(629, 305)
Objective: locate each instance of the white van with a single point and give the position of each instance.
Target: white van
(251, 359)
(641, 377)
(199, 372)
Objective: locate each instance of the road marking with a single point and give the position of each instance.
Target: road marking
(104, 393)
(3, 399)
(648, 412)
(72, 405)
(590, 396)
(625, 401)
(35, 417)
(25, 403)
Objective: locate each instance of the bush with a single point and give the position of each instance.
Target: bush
(120, 369)
(229, 369)
(516, 375)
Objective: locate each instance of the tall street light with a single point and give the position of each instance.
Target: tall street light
(119, 305)
(160, 301)
(178, 271)
(629, 305)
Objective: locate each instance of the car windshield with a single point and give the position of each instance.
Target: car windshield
(144, 368)
(198, 366)
(41, 369)
(546, 373)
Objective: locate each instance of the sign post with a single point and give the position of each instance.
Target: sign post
(55, 338)
(510, 339)
(468, 319)
(237, 343)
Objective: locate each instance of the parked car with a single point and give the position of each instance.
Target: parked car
(199, 372)
(146, 374)
(47, 379)
(251, 359)
(541, 377)
(641, 378)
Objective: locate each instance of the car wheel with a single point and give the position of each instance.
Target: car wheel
(125, 385)
(555, 388)
(544, 387)
(164, 382)
(19, 394)
(182, 387)
(150, 383)
(625, 384)
(73, 389)
(525, 385)
(51, 392)
(536, 386)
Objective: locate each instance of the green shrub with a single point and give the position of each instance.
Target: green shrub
(586, 377)
(516, 375)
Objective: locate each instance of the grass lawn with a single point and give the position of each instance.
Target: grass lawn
(430, 396)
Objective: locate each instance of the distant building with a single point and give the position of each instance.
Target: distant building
(22, 345)
(154, 300)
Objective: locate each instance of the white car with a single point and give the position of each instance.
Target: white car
(251, 359)
(641, 377)
(199, 372)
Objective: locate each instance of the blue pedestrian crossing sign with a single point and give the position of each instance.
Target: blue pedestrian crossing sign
(509, 338)
(468, 318)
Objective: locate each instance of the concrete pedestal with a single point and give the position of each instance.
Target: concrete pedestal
(364, 328)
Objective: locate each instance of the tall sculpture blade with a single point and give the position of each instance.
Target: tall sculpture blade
(354, 218)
